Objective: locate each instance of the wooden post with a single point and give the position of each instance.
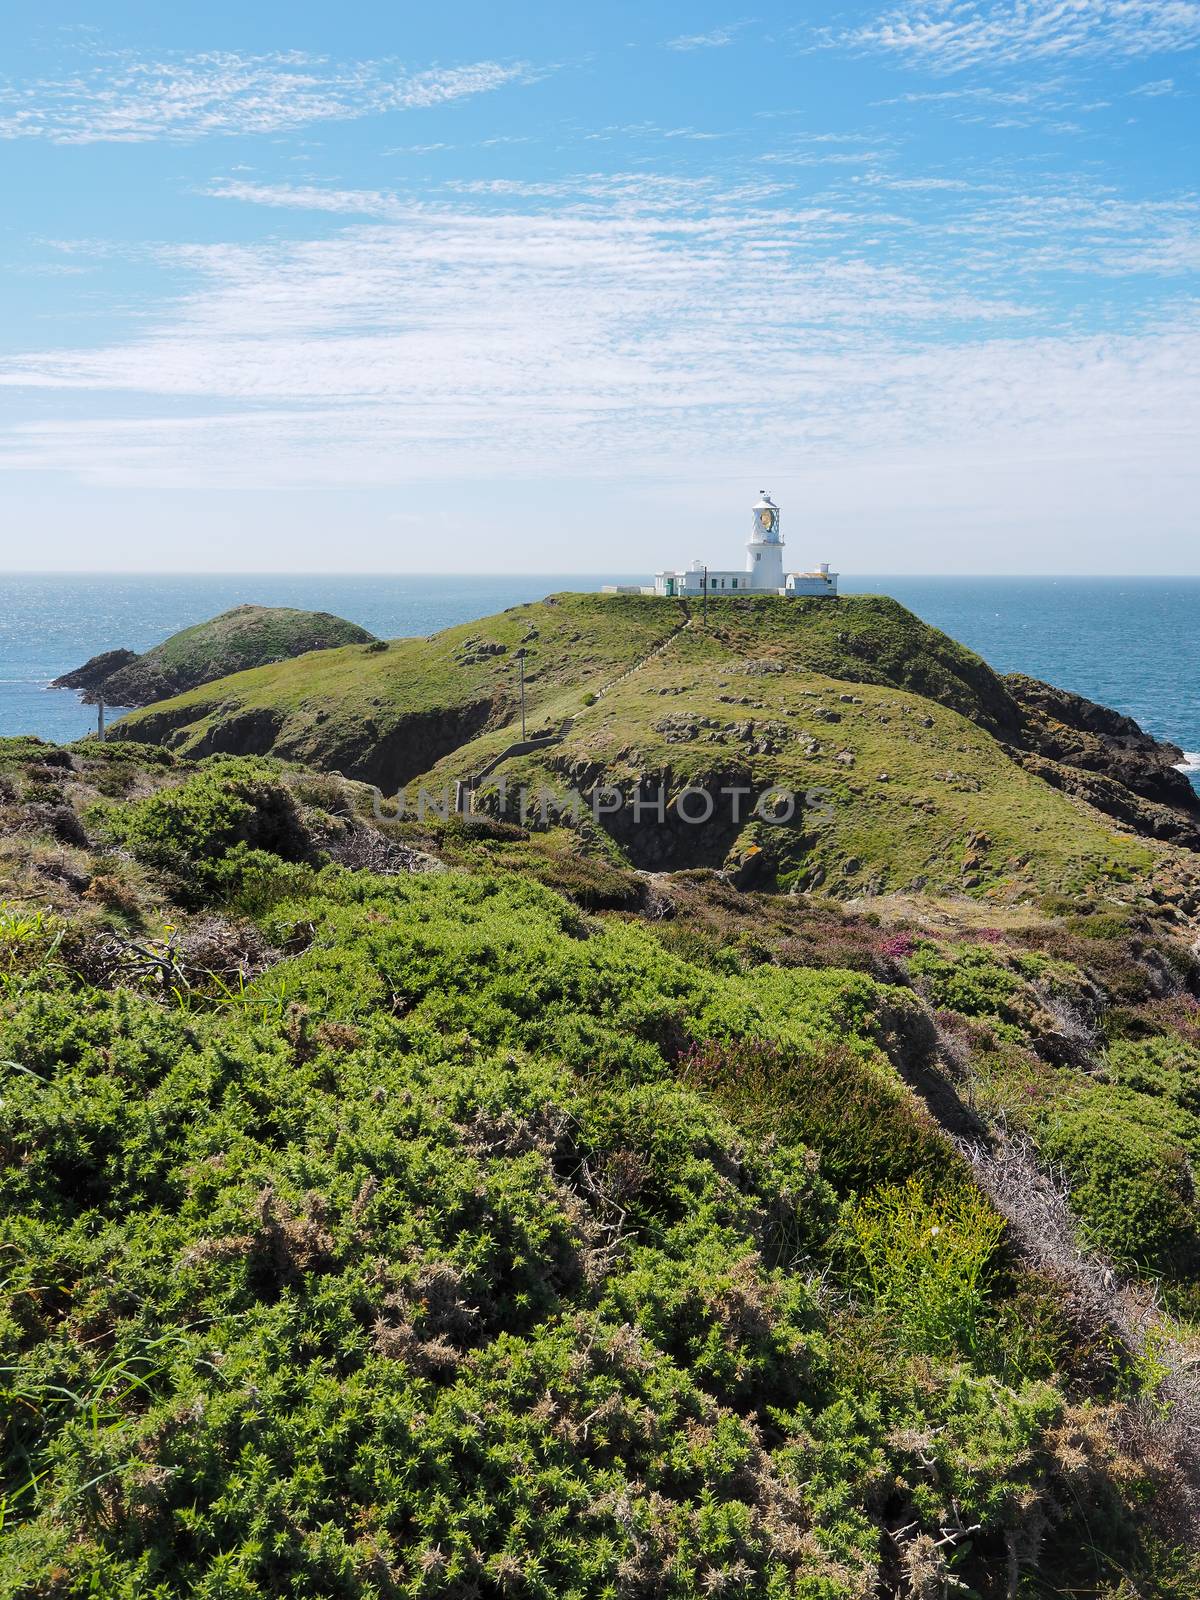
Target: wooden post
(100, 734)
(521, 659)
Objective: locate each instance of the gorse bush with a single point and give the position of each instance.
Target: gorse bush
(1165, 1066)
(414, 1269)
(355, 1245)
(188, 831)
(468, 1241)
(971, 979)
(1130, 1178)
(867, 1128)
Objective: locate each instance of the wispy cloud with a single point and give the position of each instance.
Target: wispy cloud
(714, 39)
(811, 158)
(950, 35)
(123, 99)
(606, 323)
(1160, 86)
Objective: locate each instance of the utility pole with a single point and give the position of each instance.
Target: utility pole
(704, 596)
(100, 734)
(521, 659)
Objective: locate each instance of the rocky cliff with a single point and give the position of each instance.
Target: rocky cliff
(1105, 758)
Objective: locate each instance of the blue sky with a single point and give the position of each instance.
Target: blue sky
(542, 288)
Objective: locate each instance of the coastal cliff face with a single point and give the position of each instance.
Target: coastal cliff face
(387, 751)
(90, 678)
(1106, 759)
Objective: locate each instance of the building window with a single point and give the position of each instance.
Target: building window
(734, 584)
(758, 555)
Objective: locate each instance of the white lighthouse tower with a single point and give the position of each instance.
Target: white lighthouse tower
(764, 548)
(763, 572)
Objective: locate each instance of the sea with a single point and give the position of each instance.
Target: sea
(1130, 643)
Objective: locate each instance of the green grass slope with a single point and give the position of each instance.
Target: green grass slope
(898, 741)
(907, 785)
(386, 716)
(246, 636)
(418, 1233)
(575, 645)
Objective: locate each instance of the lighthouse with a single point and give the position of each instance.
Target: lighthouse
(764, 548)
(762, 574)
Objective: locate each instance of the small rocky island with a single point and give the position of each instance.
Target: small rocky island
(247, 636)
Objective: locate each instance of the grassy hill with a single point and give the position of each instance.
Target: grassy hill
(575, 645)
(905, 741)
(386, 716)
(245, 637)
(423, 1228)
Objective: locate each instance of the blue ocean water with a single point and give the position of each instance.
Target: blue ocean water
(1132, 643)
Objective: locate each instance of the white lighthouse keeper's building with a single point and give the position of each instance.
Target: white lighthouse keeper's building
(763, 572)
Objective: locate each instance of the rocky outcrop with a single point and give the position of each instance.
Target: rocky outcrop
(92, 674)
(387, 756)
(138, 683)
(1150, 818)
(1107, 759)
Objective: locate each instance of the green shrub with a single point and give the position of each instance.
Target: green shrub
(1165, 1066)
(588, 880)
(920, 1262)
(188, 830)
(970, 979)
(867, 1130)
(411, 1267)
(1130, 1178)
(1107, 925)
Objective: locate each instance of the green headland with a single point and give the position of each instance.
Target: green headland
(528, 1200)
(247, 636)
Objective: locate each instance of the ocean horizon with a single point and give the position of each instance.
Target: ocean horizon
(1128, 642)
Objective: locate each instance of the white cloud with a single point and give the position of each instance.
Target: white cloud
(1160, 86)
(919, 184)
(807, 158)
(1075, 229)
(715, 39)
(610, 323)
(950, 35)
(126, 100)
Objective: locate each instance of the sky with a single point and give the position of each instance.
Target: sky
(547, 288)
